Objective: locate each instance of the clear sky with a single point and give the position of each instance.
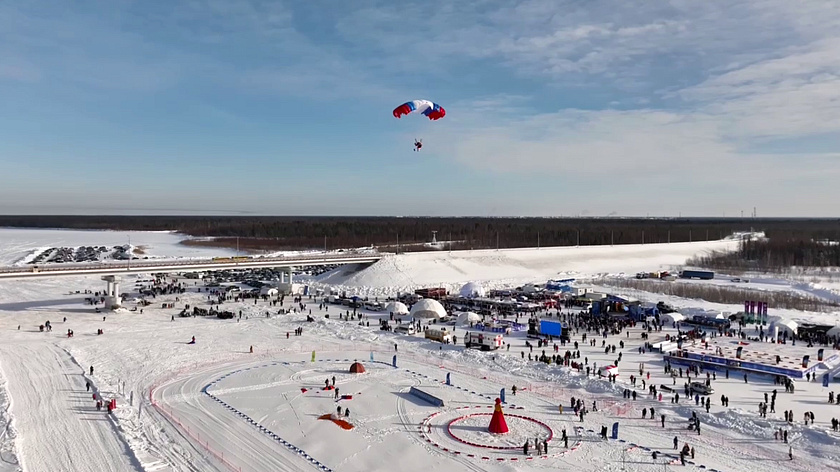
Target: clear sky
(554, 107)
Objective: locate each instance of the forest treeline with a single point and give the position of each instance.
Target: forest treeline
(269, 232)
(776, 254)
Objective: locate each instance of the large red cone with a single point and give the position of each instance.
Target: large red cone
(497, 422)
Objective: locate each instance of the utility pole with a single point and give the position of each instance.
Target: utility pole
(643, 236)
(237, 245)
(129, 252)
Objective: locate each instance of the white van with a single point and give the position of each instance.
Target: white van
(405, 329)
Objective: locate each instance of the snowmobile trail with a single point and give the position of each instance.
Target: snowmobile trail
(58, 426)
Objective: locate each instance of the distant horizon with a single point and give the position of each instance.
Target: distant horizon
(563, 217)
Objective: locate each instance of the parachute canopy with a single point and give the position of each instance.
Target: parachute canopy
(430, 109)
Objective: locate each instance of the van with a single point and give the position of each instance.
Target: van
(405, 329)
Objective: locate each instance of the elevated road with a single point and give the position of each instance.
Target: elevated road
(186, 265)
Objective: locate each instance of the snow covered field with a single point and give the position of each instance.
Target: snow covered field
(217, 406)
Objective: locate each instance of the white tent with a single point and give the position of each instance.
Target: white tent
(472, 290)
(529, 288)
(671, 317)
(397, 308)
(427, 308)
(269, 291)
(468, 317)
(835, 331)
(785, 325)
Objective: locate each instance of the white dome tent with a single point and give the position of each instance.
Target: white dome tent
(397, 308)
(671, 317)
(427, 308)
(472, 290)
(468, 317)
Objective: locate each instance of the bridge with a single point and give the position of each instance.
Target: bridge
(187, 265)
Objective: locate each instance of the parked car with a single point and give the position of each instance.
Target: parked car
(701, 388)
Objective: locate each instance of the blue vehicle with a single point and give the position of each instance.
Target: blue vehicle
(697, 274)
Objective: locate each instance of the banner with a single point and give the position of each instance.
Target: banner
(447, 379)
(502, 396)
(615, 430)
(313, 356)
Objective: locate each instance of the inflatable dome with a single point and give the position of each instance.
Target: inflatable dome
(397, 308)
(472, 290)
(427, 308)
(357, 368)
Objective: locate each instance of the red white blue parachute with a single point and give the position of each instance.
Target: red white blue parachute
(426, 107)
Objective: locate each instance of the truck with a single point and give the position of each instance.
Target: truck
(697, 274)
(436, 293)
(485, 342)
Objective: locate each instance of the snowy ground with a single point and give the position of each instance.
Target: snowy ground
(50, 423)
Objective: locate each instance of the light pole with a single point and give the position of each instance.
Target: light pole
(129, 252)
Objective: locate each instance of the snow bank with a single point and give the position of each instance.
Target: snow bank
(513, 266)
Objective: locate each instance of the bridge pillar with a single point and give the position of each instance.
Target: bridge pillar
(112, 292)
(289, 275)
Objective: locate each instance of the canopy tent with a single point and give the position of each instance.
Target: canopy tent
(397, 308)
(671, 317)
(468, 317)
(472, 290)
(835, 331)
(427, 308)
(784, 325)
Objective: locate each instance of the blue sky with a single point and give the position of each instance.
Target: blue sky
(553, 107)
